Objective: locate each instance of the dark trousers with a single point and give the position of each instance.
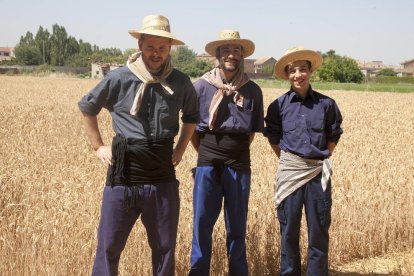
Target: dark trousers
(158, 206)
(210, 187)
(318, 216)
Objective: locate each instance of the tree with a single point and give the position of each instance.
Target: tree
(196, 68)
(71, 47)
(336, 68)
(26, 51)
(184, 59)
(181, 56)
(387, 72)
(28, 55)
(59, 49)
(58, 40)
(85, 48)
(42, 41)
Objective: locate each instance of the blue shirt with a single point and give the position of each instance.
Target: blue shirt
(230, 117)
(158, 117)
(303, 126)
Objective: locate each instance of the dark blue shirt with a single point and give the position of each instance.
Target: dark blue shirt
(303, 126)
(158, 117)
(230, 117)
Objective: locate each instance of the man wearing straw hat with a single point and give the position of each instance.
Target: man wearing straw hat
(303, 127)
(144, 99)
(231, 111)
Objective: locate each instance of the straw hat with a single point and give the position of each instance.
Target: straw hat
(230, 37)
(156, 25)
(295, 54)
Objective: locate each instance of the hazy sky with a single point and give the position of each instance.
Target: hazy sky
(363, 29)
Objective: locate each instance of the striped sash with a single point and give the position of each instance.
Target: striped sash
(294, 172)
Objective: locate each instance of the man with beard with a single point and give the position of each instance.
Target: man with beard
(231, 111)
(144, 100)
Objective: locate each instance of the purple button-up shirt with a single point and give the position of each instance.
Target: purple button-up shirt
(303, 126)
(230, 117)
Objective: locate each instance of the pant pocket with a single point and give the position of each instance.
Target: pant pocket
(281, 213)
(323, 208)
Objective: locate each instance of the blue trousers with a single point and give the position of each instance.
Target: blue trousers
(318, 216)
(211, 185)
(158, 206)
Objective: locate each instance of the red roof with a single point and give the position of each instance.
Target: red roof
(6, 49)
(408, 61)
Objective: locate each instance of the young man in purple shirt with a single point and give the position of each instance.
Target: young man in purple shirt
(303, 127)
(231, 111)
(144, 99)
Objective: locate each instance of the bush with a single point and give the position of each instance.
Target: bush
(45, 68)
(388, 79)
(338, 69)
(386, 72)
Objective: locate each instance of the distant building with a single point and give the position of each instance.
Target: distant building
(371, 68)
(261, 65)
(99, 70)
(407, 69)
(6, 53)
(249, 66)
(207, 58)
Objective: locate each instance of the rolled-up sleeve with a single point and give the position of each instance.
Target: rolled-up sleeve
(190, 109)
(101, 96)
(273, 128)
(333, 123)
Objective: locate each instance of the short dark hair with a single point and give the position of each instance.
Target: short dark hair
(307, 61)
(218, 50)
(143, 35)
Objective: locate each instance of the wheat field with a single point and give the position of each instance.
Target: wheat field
(51, 185)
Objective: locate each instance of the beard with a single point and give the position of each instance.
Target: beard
(154, 67)
(232, 66)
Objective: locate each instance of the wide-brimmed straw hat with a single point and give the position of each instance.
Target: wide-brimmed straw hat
(295, 54)
(230, 37)
(156, 25)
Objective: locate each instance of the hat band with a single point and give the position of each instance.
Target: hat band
(160, 28)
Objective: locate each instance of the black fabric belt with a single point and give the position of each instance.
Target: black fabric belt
(219, 149)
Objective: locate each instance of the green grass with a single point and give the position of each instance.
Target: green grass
(367, 86)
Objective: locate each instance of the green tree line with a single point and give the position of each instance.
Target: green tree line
(58, 48)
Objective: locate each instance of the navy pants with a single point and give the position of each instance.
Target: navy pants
(159, 209)
(211, 185)
(318, 216)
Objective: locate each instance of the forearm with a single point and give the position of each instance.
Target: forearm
(331, 146)
(276, 149)
(90, 123)
(187, 131)
(251, 137)
(195, 140)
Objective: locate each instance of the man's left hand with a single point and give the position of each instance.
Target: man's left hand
(177, 156)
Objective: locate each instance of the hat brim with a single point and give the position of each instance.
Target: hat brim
(248, 46)
(161, 33)
(313, 57)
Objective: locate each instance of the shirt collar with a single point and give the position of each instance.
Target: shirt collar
(309, 95)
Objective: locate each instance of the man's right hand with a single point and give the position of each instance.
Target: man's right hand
(104, 154)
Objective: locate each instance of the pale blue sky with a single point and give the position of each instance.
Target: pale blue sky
(363, 29)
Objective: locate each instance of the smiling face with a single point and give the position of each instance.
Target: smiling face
(299, 73)
(230, 56)
(155, 52)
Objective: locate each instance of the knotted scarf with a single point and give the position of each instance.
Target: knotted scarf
(137, 66)
(214, 78)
